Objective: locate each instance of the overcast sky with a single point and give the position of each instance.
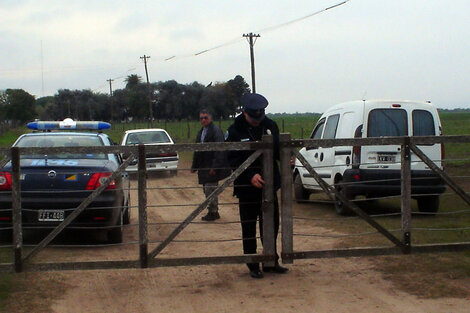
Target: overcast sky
(364, 49)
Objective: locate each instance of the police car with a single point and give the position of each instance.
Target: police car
(53, 185)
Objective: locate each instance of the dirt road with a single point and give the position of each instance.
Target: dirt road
(326, 285)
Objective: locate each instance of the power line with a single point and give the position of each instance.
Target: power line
(301, 18)
(264, 30)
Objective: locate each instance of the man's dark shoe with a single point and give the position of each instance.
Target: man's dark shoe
(256, 273)
(275, 269)
(210, 216)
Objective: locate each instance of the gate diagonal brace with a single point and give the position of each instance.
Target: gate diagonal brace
(441, 173)
(78, 210)
(4, 161)
(204, 204)
(327, 188)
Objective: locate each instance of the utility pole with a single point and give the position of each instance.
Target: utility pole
(252, 55)
(111, 96)
(145, 57)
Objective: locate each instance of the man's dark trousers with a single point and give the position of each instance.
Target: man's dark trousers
(250, 207)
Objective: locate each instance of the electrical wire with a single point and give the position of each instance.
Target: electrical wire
(264, 30)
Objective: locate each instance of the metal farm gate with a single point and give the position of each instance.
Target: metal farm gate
(147, 253)
(401, 244)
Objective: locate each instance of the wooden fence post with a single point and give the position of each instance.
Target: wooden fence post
(142, 191)
(406, 195)
(16, 207)
(269, 242)
(286, 201)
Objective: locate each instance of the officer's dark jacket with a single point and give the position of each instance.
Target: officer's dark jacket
(204, 161)
(241, 131)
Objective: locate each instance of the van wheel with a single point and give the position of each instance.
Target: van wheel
(340, 208)
(301, 194)
(428, 204)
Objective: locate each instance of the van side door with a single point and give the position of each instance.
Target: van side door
(312, 156)
(326, 155)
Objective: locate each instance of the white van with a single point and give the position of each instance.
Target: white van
(373, 171)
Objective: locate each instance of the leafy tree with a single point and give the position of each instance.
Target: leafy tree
(18, 105)
(45, 108)
(238, 86)
(132, 81)
(170, 100)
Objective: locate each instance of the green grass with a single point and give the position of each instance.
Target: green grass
(6, 282)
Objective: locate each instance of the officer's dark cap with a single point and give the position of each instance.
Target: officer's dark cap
(254, 105)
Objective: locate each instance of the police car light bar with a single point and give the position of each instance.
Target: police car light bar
(68, 123)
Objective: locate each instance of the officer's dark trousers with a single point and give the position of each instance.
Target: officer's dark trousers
(250, 212)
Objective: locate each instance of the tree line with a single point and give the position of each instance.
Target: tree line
(169, 100)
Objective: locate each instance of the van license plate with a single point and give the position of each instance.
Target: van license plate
(386, 158)
(51, 215)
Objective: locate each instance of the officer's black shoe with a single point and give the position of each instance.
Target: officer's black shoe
(275, 269)
(210, 216)
(256, 273)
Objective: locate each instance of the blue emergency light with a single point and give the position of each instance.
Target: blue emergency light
(68, 123)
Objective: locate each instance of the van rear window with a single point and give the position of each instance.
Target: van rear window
(387, 122)
(423, 123)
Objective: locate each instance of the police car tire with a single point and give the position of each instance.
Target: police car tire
(6, 236)
(301, 194)
(428, 204)
(126, 218)
(115, 235)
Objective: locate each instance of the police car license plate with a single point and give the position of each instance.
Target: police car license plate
(50, 215)
(385, 158)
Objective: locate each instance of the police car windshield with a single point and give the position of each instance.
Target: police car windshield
(62, 140)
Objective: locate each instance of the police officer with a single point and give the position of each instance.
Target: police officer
(251, 125)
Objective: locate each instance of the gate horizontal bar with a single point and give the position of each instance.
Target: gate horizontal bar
(372, 251)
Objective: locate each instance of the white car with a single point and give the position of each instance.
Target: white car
(155, 161)
(373, 171)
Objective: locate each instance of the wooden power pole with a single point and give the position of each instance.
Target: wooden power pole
(145, 57)
(111, 97)
(250, 37)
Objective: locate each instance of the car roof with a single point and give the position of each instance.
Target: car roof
(143, 130)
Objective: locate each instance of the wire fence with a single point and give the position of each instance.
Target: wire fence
(166, 210)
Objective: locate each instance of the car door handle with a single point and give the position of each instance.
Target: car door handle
(321, 156)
